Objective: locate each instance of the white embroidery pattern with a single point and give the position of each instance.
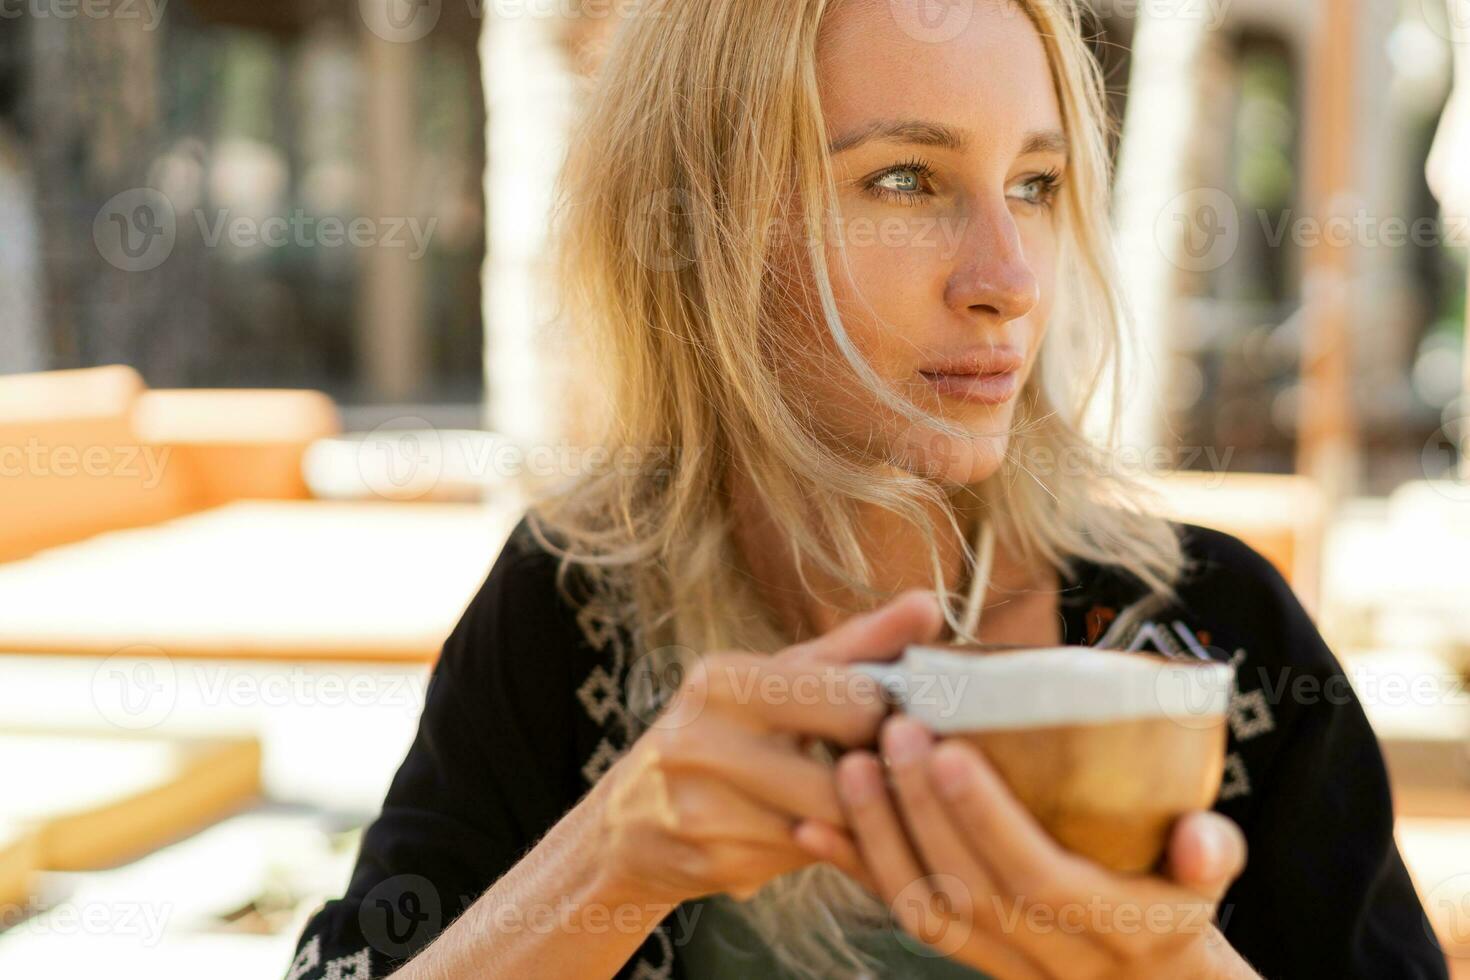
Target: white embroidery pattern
(1236, 782)
(360, 965)
(603, 758)
(601, 693)
(645, 971)
(601, 697)
(1160, 640)
(1250, 715)
(306, 960)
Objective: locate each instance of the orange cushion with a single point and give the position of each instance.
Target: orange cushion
(72, 466)
(237, 443)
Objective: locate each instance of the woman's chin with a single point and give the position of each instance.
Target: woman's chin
(960, 463)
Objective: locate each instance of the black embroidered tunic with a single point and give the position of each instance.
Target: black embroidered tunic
(524, 714)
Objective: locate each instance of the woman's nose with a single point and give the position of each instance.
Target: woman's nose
(991, 274)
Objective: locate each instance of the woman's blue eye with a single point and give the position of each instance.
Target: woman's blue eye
(907, 183)
(903, 184)
(903, 180)
(1042, 189)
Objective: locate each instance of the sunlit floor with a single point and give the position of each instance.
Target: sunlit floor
(225, 903)
(234, 896)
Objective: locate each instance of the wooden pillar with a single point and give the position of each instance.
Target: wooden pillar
(1326, 433)
(391, 294)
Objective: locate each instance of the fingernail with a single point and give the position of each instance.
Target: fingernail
(1212, 851)
(951, 775)
(904, 741)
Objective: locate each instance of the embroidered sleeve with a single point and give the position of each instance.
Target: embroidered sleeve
(509, 741)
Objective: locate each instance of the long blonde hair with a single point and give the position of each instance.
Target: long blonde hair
(703, 125)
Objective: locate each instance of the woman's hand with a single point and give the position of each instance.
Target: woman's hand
(965, 868)
(707, 799)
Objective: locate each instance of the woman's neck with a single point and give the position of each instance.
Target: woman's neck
(1019, 606)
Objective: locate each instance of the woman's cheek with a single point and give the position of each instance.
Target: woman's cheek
(883, 306)
(1041, 252)
(876, 304)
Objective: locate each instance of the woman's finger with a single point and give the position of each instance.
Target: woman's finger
(1041, 879)
(778, 775)
(913, 617)
(875, 827)
(904, 884)
(906, 745)
(741, 842)
(827, 843)
(780, 696)
(742, 869)
(712, 810)
(1206, 853)
(1036, 870)
(1016, 849)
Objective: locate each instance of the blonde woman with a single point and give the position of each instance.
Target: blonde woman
(842, 274)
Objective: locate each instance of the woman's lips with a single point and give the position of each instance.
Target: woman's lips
(985, 375)
(983, 389)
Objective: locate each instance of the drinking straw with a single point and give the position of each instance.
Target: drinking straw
(984, 557)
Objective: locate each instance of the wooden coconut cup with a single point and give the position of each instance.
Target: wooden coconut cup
(1106, 748)
(1110, 791)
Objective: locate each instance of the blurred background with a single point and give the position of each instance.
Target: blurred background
(277, 347)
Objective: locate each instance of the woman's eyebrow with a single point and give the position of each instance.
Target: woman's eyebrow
(1045, 141)
(916, 131)
(921, 132)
